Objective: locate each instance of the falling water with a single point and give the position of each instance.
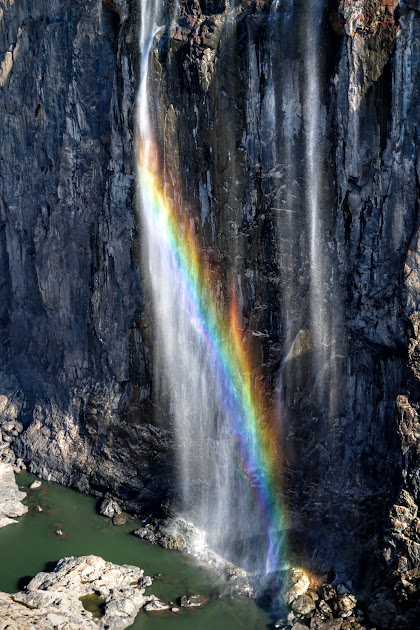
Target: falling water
(313, 151)
(226, 444)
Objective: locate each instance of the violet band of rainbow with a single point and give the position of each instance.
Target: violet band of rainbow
(239, 394)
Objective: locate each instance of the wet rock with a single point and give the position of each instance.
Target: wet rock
(35, 484)
(327, 592)
(145, 581)
(237, 580)
(325, 609)
(119, 520)
(174, 609)
(59, 532)
(146, 533)
(10, 496)
(109, 507)
(299, 626)
(38, 508)
(313, 594)
(19, 465)
(345, 604)
(154, 604)
(180, 535)
(297, 584)
(303, 605)
(193, 601)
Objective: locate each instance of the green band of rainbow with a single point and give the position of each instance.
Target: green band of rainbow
(240, 396)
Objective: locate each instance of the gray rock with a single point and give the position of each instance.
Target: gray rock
(154, 604)
(35, 484)
(193, 601)
(109, 507)
(10, 496)
(146, 533)
(53, 599)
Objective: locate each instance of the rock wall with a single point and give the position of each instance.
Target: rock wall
(233, 113)
(73, 358)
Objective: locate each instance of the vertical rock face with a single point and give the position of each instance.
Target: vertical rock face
(235, 86)
(73, 359)
(236, 99)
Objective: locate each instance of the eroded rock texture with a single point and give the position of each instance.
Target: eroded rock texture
(73, 358)
(259, 108)
(56, 599)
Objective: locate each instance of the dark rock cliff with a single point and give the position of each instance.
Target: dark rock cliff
(233, 103)
(73, 360)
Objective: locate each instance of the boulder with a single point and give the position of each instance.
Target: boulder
(303, 605)
(35, 484)
(155, 605)
(325, 609)
(345, 604)
(193, 601)
(146, 533)
(109, 507)
(297, 584)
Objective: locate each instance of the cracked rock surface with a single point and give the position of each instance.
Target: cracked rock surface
(11, 497)
(52, 600)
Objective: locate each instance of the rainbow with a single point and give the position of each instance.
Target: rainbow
(242, 398)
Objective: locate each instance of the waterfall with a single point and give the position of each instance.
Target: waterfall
(327, 347)
(227, 456)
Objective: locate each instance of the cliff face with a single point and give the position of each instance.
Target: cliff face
(73, 360)
(268, 114)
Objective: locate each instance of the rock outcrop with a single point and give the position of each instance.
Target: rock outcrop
(180, 535)
(55, 600)
(75, 366)
(11, 497)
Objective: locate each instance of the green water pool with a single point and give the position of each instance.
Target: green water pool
(31, 546)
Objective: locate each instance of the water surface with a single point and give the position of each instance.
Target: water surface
(31, 546)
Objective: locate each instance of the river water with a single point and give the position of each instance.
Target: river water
(31, 546)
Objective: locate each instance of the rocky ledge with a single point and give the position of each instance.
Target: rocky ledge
(10, 496)
(180, 535)
(55, 600)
